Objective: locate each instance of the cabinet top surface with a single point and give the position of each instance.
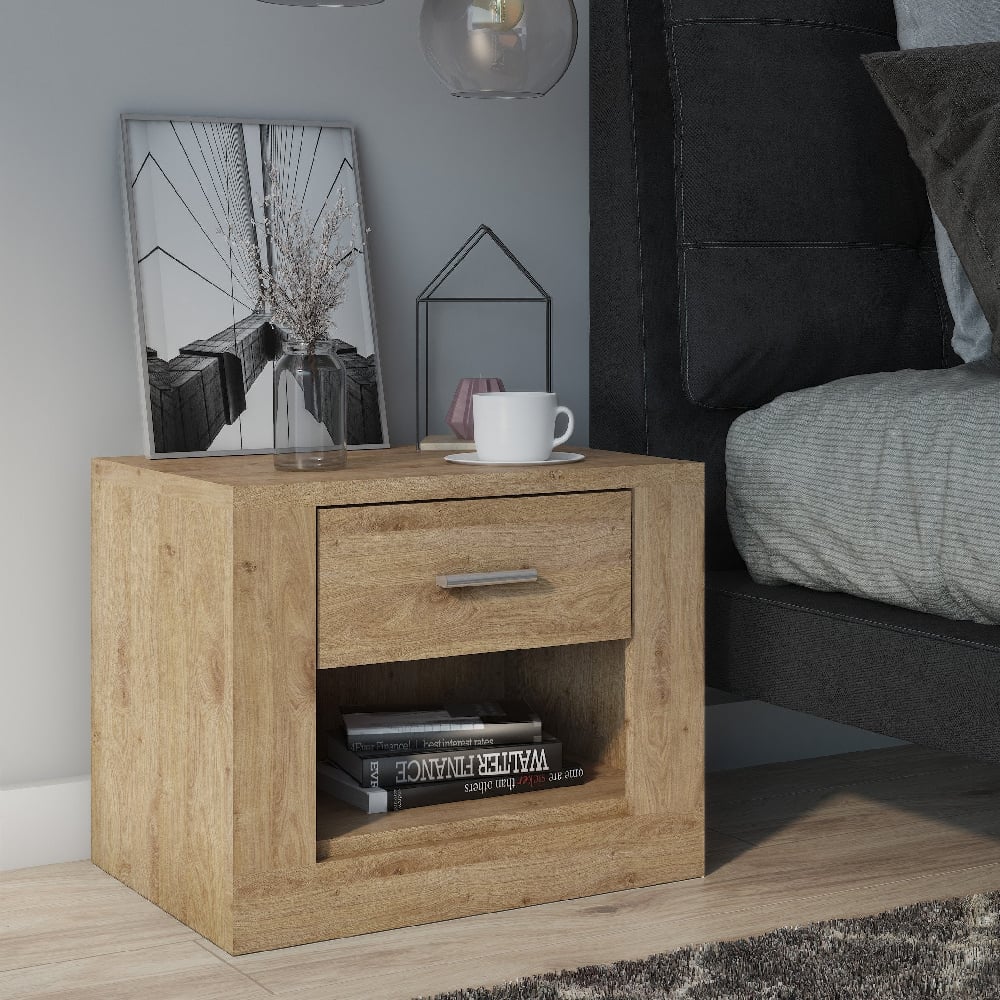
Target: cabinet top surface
(392, 475)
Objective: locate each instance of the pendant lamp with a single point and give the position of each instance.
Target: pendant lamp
(322, 3)
(490, 48)
(499, 48)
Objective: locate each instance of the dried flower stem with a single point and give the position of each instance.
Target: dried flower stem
(311, 268)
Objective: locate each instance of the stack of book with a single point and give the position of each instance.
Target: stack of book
(382, 761)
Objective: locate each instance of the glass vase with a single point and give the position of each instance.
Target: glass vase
(310, 408)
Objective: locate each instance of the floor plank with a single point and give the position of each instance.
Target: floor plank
(64, 912)
(180, 970)
(791, 869)
(967, 799)
(796, 776)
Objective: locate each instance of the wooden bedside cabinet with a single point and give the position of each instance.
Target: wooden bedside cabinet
(235, 607)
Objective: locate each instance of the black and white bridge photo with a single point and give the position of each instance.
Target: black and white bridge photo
(198, 195)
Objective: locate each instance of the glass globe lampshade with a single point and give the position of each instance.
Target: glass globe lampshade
(499, 48)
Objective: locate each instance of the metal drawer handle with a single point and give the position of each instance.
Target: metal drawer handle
(464, 580)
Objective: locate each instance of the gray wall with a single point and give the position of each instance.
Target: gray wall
(433, 167)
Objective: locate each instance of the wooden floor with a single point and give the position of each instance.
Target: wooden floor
(788, 844)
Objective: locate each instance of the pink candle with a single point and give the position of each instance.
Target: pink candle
(459, 417)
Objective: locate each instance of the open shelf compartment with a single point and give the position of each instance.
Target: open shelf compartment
(579, 692)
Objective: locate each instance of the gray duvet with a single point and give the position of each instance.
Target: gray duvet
(884, 486)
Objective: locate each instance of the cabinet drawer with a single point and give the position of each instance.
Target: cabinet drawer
(380, 598)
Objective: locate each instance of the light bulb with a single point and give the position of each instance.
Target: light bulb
(499, 15)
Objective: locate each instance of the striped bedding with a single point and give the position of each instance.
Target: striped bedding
(883, 486)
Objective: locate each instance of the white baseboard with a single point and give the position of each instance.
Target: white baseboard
(45, 824)
(748, 733)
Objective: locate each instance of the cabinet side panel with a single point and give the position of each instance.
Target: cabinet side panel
(162, 699)
(665, 666)
(274, 565)
(125, 806)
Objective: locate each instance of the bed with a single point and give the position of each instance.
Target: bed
(697, 311)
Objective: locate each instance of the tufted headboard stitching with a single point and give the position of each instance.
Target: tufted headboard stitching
(693, 318)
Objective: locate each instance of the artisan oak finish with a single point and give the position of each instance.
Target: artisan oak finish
(162, 696)
(379, 599)
(219, 597)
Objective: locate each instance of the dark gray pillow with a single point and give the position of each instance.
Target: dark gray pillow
(921, 24)
(947, 102)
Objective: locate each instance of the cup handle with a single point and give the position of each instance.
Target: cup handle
(569, 430)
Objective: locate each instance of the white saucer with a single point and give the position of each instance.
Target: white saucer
(557, 458)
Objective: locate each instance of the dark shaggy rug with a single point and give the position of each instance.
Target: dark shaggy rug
(944, 949)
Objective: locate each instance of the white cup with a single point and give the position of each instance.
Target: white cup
(515, 427)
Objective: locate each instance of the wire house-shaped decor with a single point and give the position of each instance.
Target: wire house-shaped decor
(440, 352)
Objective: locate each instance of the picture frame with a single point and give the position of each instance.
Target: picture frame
(196, 194)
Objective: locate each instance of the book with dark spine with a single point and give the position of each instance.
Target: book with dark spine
(394, 770)
(439, 728)
(340, 784)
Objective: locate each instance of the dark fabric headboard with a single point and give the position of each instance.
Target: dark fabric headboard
(654, 282)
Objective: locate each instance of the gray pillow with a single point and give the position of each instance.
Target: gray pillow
(923, 24)
(883, 486)
(947, 102)
(927, 23)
